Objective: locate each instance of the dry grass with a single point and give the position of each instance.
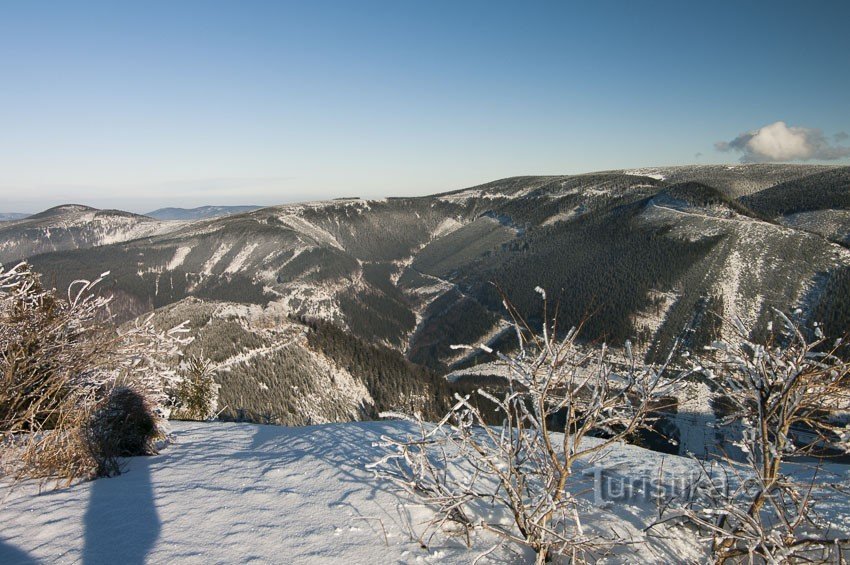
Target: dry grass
(75, 393)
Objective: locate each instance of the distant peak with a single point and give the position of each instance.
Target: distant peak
(71, 208)
(63, 209)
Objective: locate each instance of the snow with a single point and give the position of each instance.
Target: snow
(179, 256)
(651, 173)
(241, 258)
(446, 227)
(563, 216)
(306, 298)
(231, 493)
(752, 247)
(75, 227)
(319, 235)
(734, 302)
(227, 493)
(222, 250)
(117, 230)
(492, 368)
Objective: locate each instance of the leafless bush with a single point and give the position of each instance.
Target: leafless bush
(61, 363)
(782, 395)
(524, 466)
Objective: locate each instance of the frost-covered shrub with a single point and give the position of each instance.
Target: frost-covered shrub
(782, 395)
(61, 365)
(557, 395)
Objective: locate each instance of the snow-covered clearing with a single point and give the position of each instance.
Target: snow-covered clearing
(241, 257)
(215, 258)
(179, 256)
(651, 173)
(319, 235)
(446, 227)
(565, 216)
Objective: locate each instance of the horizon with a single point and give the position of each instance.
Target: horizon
(648, 169)
(139, 107)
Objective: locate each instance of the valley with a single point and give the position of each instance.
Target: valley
(649, 256)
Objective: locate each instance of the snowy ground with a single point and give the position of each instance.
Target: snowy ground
(227, 493)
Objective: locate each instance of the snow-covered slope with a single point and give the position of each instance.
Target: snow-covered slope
(236, 493)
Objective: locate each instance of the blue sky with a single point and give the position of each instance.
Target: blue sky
(146, 104)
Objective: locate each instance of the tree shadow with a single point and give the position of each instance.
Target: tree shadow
(121, 521)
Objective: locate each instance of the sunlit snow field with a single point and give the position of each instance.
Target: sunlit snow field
(226, 493)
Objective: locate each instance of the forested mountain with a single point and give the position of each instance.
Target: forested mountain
(9, 216)
(641, 254)
(200, 213)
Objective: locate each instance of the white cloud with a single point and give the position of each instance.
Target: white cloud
(777, 142)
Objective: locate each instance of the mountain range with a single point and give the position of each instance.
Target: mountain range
(646, 255)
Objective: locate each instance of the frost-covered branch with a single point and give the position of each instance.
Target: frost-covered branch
(786, 397)
(557, 394)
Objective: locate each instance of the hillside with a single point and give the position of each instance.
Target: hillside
(72, 227)
(326, 313)
(640, 254)
(277, 370)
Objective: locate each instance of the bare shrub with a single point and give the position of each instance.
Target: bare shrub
(525, 466)
(61, 364)
(782, 395)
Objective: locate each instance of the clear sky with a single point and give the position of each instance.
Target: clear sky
(140, 105)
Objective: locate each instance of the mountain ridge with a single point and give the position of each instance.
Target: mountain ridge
(322, 298)
(199, 213)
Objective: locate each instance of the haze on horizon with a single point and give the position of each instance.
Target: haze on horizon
(146, 105)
